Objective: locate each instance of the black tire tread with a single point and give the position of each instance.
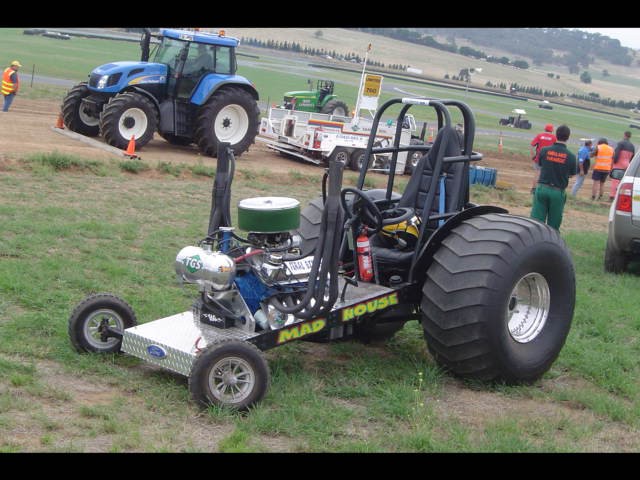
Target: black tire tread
(461, 283)
(70, 111)
(204, 136)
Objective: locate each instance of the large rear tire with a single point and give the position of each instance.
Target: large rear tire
(74, 118)
(231, 116)
(128, 115)
(498, 300)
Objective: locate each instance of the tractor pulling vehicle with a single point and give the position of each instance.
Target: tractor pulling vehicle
(189, 93)
(494, 292)
(320, 100)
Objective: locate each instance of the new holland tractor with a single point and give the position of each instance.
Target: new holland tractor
(320, 100)
(189, 93)
(493, 292)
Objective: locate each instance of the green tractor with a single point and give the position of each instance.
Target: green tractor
(320, 100)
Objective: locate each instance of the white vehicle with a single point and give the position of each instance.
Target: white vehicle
(317, 137)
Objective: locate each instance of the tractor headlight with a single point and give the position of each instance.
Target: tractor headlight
(103, 81)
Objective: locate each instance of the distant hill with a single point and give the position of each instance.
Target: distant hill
(574, 49)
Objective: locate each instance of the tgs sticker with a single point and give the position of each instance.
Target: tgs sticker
(193, 263)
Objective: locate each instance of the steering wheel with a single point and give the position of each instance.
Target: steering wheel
(369, 212)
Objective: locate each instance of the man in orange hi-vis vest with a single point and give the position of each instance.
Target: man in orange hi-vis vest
(10, 84)
(603, 154)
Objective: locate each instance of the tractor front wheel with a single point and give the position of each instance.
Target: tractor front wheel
(128, 115)
(231, 116)
(73, 115)
(498, 299)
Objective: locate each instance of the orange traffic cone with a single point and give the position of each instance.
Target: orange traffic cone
(60, 123)
(131, 148)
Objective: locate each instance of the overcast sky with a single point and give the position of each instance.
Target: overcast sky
(629, 37)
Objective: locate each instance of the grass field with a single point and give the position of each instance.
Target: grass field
(70, 228)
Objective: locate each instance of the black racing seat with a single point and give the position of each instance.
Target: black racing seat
(454, 175)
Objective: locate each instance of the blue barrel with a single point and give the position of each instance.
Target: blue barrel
(482, 176)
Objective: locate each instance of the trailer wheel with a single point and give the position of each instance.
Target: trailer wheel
(356, 160)
(340, 154)
(229, 373)
(128, 115)
(232, 116)
(74, 118)
(89, 321)
(498, 299)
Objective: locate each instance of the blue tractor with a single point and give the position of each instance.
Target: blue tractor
(189, 93)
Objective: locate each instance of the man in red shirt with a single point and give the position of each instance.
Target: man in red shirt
(544, 139)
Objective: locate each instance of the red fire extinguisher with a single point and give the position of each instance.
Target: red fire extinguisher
(365, 261)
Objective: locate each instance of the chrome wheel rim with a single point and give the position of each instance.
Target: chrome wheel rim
(231, 380)
(95, 325)
(528, 307)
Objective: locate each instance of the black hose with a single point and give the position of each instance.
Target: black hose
(220, 215)
(325, 263)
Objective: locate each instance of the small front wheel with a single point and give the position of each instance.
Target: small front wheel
(98, 322)
(229, 373)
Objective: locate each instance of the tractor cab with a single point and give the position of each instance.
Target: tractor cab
(190, 56)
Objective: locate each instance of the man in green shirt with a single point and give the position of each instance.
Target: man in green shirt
(557, 164)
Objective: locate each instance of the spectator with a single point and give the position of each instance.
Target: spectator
(604, 158)
(621, 157)
(584, 162)
(540, 141)
(10, 84)
(557, 164)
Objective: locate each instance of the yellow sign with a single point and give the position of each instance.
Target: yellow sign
(372, 85)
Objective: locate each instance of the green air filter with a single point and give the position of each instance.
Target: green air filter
(268, 214)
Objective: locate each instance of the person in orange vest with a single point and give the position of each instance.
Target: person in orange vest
(622, 155)
(10, 84)
(603, 154)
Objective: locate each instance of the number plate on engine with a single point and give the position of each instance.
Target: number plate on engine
(300, 267)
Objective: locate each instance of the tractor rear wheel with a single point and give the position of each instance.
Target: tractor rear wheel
(231, 116)
(128, 115)
(335, 107)
(498, 299)
(74, 118)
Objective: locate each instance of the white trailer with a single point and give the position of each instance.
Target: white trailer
(317, 137)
